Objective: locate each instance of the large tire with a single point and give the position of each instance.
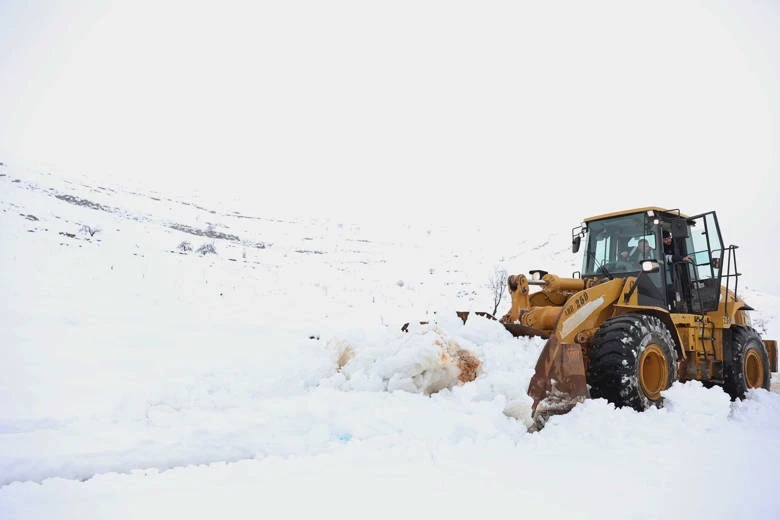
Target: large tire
(747, 364)
(632, 360)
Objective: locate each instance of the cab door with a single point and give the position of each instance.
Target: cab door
(705, 247)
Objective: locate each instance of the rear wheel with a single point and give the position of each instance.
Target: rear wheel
(748, 365)
(632, 360)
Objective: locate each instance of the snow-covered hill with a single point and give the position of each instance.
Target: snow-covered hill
(167, 356)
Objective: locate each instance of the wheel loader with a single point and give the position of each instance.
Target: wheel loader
(636, 319)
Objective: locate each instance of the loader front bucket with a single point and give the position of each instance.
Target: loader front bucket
(558, 383)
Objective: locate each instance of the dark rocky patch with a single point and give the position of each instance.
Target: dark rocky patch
(78, 201)
(203, 232)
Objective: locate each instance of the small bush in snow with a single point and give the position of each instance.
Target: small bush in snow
(497, 285)
(89, 230)
(185, 246)
(207, 249)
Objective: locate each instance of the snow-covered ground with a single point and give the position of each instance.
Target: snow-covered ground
(143, 379)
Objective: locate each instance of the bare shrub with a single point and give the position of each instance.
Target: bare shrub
(497, 286)
(185, 246)
(89, 230)
(207, 249)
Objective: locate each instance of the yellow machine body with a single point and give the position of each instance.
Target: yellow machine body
(710, 337)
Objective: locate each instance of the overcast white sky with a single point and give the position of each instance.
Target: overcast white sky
(347, 107)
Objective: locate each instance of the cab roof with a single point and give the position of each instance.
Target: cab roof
(634, 211)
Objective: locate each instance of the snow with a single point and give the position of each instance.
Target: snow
(272, 378)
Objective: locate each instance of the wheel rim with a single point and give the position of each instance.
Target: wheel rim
(653, 372)
(754, 370)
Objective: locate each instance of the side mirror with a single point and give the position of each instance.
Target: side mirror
(650, 266)
(575, 244)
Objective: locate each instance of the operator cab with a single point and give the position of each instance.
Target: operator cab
(628, 243)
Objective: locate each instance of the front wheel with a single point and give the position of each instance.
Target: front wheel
(632, 360)
(748, 364)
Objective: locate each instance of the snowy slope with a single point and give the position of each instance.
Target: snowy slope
(141, 378)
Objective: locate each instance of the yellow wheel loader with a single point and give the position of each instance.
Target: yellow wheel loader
(636, 319)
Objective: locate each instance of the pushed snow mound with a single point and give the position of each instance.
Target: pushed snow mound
(476, 362)
(423, 361)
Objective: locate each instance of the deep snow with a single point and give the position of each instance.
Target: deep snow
(141, 380)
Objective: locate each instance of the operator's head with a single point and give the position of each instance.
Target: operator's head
(667, 238)
(643, 245)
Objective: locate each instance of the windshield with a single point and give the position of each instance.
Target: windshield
(618, 245)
